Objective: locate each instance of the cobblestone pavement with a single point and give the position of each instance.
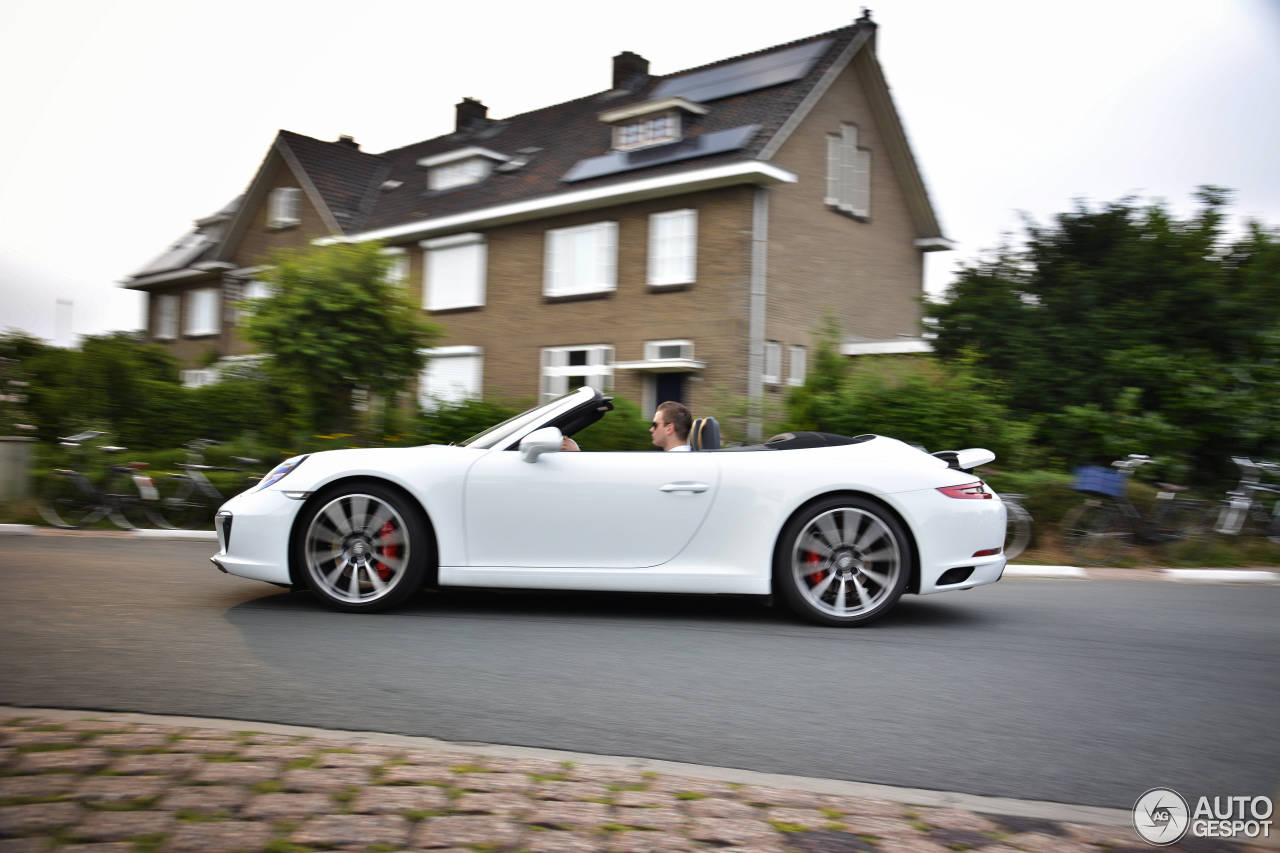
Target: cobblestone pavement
(86, 782)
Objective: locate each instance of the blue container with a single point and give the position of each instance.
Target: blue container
(1097, 480)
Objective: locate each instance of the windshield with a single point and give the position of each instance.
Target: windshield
(512, 426)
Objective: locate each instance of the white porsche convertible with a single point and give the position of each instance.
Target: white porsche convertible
(837, 527)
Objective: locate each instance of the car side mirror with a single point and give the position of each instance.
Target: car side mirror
(540, 441)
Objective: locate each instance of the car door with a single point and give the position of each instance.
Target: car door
(586, 510)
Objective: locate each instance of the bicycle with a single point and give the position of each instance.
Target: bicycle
(1107, 522)
(71, 499)
(1018, 526)
(1244, 511)
(194, 497)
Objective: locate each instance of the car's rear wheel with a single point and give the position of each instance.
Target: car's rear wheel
(363, 547)
(842, 561)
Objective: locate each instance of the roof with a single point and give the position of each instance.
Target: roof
(752, 102)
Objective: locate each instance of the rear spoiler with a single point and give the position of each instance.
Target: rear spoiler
(966, 460)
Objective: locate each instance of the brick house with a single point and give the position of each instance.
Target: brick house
(669, 237)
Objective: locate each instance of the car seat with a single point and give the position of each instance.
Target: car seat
(704, 434)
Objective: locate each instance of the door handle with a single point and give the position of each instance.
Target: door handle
(696, 488)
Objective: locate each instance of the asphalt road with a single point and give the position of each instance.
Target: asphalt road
(1084, 692)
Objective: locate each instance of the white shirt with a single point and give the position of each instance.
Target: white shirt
(678, 448)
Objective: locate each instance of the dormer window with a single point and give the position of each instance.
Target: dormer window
(461, 167)
(651, 123)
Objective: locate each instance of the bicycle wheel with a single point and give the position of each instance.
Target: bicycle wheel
(1095, 533)
(1017, 533)
(180, 506)
(65, 503)
(130, 509)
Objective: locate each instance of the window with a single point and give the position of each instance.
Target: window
(666, 350)
(282, 208)
(397, 267)
(199, 378)
(166, 327)
(673, 247)
(203, 308)
(458, 174)
(252, 290)
(455, 272)
(566, 368)
(848, 173)
(654, 130)
(796, 376)
(452, 374)
(772, 362)
(581, 260)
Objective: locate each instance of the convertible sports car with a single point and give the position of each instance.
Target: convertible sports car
(837, 527)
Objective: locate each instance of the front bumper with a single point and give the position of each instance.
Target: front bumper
(253, 535)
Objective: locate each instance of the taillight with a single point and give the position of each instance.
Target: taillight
(969, 491)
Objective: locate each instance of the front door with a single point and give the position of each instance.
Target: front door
(668, 386)
(586, 510)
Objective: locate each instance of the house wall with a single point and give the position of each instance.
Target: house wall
(868, 272)
(517, 320)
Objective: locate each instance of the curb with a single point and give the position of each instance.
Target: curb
(1018, 571)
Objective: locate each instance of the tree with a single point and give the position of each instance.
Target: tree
(1126, 320)
(334, 324)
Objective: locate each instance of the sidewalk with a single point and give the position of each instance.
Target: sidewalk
(95, 782)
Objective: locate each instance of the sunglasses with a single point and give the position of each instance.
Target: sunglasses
(655, 424)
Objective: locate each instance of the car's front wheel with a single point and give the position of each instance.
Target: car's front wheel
(363, 547)
(842, 561)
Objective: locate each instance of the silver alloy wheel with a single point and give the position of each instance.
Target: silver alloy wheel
(847, 562)
(357, 548)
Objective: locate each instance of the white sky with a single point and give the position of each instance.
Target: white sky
(121, 122)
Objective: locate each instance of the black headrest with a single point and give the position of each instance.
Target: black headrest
(704, 434)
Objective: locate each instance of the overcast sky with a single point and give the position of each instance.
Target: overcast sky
(124, 121)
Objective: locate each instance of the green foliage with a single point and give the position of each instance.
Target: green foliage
(452, 423)
(625, 428)
(334, 324)
(1125, 329)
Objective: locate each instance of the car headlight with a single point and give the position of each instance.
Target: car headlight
(279, 472)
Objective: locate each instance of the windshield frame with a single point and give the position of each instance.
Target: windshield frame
(520, 425)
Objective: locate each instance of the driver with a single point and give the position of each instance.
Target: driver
(669, 428)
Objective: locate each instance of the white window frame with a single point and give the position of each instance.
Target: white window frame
(282, 207)
(772, 363)
(168, 312)
(204, 312)
(398, 266)
(563, 276)
(673, 247)
(446, 261)
(459, 173)
(253, 289)
(650, 130)
(798, 365)
(557, 372)
(199, 378)
(653, 350)
(848, 173)
(465, 363)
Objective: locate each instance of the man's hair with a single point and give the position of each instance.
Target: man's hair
(679, 416)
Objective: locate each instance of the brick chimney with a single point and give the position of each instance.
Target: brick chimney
(470, 112)
(626, 67)
(349, 142)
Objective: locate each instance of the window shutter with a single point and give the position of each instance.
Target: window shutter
(833, 169)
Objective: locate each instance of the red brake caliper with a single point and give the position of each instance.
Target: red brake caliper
(813, 559)
(384, 571)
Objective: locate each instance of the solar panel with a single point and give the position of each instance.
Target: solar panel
(745, 75)
(718, 142)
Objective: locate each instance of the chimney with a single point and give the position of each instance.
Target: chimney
(470, 112)
(349, 142)
(626, 67)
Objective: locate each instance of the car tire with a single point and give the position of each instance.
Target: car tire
(363, 547)
(842, 561)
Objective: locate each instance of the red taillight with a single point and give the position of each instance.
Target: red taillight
(990, 552)
(969, 491)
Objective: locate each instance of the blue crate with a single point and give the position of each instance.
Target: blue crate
(1097, 480)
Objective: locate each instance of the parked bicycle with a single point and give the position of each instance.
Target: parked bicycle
(189, 498)
(1018, 525)
(1245, 512)
(72, 499)
(1107, 522)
